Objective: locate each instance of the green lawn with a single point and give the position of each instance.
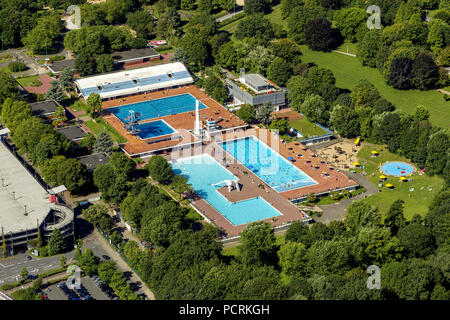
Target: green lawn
(416, 202)
(307, 128)
(275, 17)
(31, 81)
(348, 47)
(101, 125)
(348, 71)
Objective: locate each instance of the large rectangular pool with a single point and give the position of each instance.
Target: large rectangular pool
(158, 107)
(267, 164)
(203, 172)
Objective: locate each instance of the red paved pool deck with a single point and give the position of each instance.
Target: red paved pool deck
(328, 179)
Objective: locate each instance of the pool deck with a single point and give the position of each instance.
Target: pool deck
(182, 122)
(252, 186)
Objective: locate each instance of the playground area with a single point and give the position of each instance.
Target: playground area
(342, 155)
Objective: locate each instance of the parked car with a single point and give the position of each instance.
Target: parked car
(28, 257)
(105, 257)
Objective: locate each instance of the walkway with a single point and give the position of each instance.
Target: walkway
(346, 53)
(336, 211)
(43, 88)
(228, 16)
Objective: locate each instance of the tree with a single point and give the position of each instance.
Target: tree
(299, 232)
(8, 87)
(256, 26)
(84, 64)
(142, 22)
(400, 73)
(88, 262)
(180, 56)
(361, 214)
(345, 121)
(104, 177)
(104, 143)
(279, 71)
(180, 185)
(320, 231)
(287, 50)
(43, 36)
(55, 92)
(369, 47)
(122, 165)
(263, 113)
(258, 243)
(105, 63)
(394, 218)
(349, 21)
(159, 169)
(66, 78)
(196, 45)
(319, 35)
(299, 88)
(57, 243)
(116, 238)
(437, 34)
(328, 257)
(281, 125)
(437, 146)
(424, 72)
(299, 17)
(315, 109)
(421, 113)
(59, 116)
(365, 93)
(72, 174)
(255, 6)
(94, 213)
(94, 103)
(247, 113)
(62, 261)
(24, 273)
(417, 239)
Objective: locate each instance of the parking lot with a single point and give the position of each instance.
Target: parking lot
(89, 290)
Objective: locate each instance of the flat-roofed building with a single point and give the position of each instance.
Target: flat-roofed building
(44, 109)
(132, 82)
(135, 56)
(58, 66)
(72, 133)
(254, 89)
(91, 161)
(27, 205)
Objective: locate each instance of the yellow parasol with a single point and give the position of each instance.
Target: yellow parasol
(374, 152)
(357, 141)
(356, 164)
(403, 178)
(382, 176)
(389, 185)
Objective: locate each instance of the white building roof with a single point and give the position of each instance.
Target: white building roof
(135, 81)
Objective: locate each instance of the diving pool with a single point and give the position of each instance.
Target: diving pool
(154, 129)
(267, 164)
(156, 108)
(203, 171)
(397, 168)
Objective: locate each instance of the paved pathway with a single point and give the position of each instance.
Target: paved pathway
(336, 211)
(43, 88)
(346, 53)
(228, 16)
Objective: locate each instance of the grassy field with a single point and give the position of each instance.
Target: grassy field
(348, 71)
(307, 128)
(101, 125)
(275, 17)
(416, 202)
(348, 47)
(31, 81)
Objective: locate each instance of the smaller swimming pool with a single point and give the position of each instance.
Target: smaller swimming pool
(397, 168)
(154, 129)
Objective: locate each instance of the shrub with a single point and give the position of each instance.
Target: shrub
(17, 66)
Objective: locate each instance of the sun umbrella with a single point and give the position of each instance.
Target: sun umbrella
(290, 158)
(382, 176)
(374, 152)
(403, 179)
(389, 185)
(356, 163)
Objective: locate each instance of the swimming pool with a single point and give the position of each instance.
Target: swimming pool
(154, 129)
(158, 107)
(203, 171)
(397, 168)
(267, 164)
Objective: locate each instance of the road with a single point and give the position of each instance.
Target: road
(228, 16)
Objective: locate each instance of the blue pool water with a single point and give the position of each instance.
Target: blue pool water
(158, 107)
(203, 171)
(267, 164)
(397, 168)
(154, 129)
